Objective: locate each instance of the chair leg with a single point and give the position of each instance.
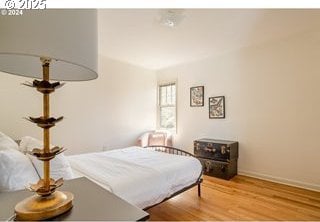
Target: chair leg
(199, 189)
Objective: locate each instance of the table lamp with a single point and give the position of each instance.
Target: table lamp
(48, 45)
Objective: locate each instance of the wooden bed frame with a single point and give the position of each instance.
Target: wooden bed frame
(176, 151)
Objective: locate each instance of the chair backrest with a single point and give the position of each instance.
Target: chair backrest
(155, 138)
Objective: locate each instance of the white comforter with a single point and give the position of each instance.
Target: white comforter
(140, 176)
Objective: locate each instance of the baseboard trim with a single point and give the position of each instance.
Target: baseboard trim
(308, 186)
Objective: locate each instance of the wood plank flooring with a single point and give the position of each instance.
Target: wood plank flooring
(242, 198)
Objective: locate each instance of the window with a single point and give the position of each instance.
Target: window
(167, 106)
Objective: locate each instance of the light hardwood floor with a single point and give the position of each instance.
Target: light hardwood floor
(242, 198)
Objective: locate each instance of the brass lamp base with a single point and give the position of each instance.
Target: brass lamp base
(40, 208)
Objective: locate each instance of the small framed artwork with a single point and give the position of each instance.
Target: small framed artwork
(217, 107)
(197, 96)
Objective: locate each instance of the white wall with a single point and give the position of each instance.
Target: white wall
(109, 112)
(272, 107)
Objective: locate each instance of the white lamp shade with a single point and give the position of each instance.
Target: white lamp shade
(68, 37)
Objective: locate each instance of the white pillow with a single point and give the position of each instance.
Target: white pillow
(7, 143)
(16, 171)
(59, 166)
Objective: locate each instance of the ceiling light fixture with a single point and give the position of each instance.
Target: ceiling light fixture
(171, 17)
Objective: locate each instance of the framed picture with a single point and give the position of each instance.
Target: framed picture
(217, 107)
(197, 96)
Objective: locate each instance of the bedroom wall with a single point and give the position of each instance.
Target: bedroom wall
(272, 107)
(106, 113)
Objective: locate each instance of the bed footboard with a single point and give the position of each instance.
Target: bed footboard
(176, 151)
(170, 150)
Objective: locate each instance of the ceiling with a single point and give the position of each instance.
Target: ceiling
(135, 35)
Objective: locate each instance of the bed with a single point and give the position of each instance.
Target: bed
(145, 176)
(142, 176)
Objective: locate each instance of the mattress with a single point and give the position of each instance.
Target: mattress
(140, 176)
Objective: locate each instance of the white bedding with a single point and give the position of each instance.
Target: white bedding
(142, 177)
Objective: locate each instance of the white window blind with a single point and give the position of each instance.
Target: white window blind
(167, 106)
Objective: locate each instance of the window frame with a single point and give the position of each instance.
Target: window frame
(162, 84)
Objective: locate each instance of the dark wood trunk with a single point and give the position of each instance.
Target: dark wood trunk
(218, 157)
